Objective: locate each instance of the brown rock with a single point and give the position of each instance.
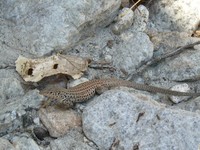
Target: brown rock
(58, 122)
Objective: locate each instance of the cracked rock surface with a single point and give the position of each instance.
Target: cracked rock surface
(120, 118)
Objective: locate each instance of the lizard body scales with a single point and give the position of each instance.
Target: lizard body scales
(86, 90)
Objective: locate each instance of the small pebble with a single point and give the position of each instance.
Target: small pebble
(182, 88)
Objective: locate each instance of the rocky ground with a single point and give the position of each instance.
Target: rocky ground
(118, 41)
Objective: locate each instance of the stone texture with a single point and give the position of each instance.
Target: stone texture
(125, 3)
(73, 140)
(24, 142)
(77, 82)
(131, 21)
(183, 67)
(59, 122)
(137, 120)
(182, 88)
(37, 28)
(14, 108)
(10, 88)
(180, 67)
(167, 41)
(128, 51)
(141, 18)
(192, 105)
(179, 15)
(8, 73)
(123, 21)
(132, 51)
(5, 144)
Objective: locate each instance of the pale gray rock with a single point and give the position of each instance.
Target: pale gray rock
(77, 82)
(139, 120)
(31, 99)
(108, 58)
(128, 52)
(6, 145)
(24, 142)
(141, 18)
(14, 108)
(180, 67)
(182, 88)
(72, 141)
(37, 28)
(8, 73)
(167, 41)
(179, 15)
(10, 88)
(127, 19)
(192, 105)
(95, 47)
(123, 21)
(59, 122)
(134, 49)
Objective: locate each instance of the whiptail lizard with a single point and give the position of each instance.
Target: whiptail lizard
(86, 90)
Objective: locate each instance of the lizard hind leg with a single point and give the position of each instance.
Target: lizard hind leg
(65, 104)
(101, 89)
(48, 102)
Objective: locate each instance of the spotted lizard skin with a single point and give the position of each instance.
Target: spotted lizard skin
(87, 90)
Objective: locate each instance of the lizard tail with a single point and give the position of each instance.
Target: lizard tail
(155, 89)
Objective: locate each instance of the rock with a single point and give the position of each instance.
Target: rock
(40, 133)
(167, 41)
(37, 28)
(31, 99)
(128, 52)
(36, 120)
(59, 122)
(10, 88)
(124, 21)
(135, 120)
(134, 49)
(108, 58)
(24, 142)
(125, 3)
(141, 18)
(182, 88)
(6, 145)
(8, 73)
(77, 82)
(192, 105)
(93, 48)
(14, 108)
(133, 21)
(179, 15)
(27, 120)
(73, 140)
(116, 119)
(179, 67)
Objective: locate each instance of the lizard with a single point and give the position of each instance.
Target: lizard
(84, 91)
